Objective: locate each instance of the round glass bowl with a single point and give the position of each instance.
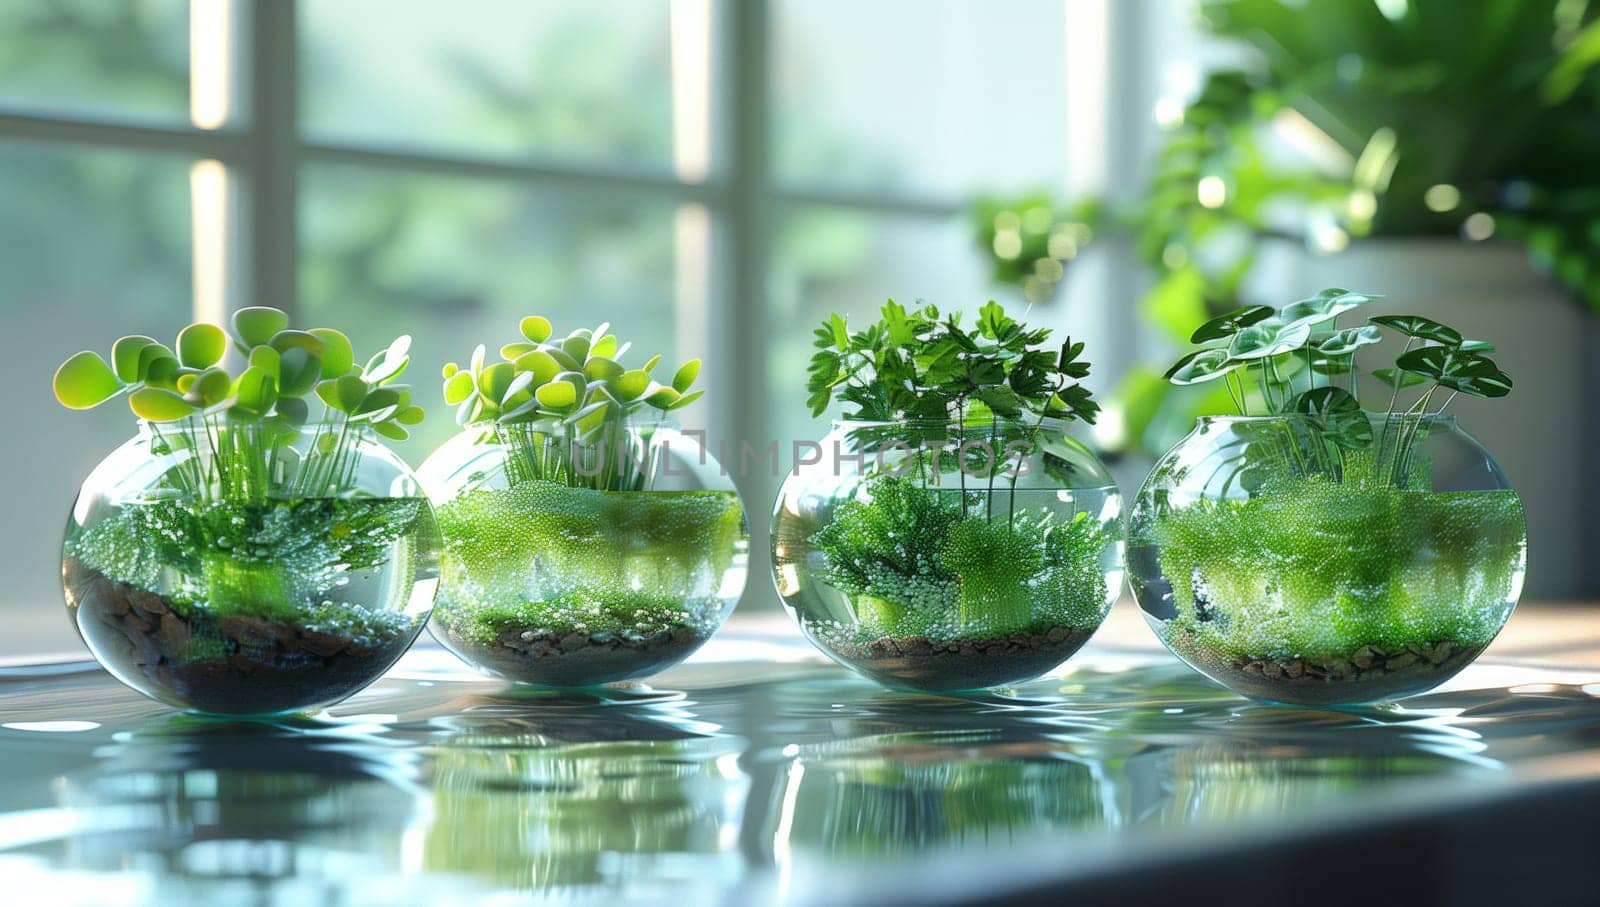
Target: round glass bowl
(1296, 564)
(947, 557)
(570, 565)
(237, 568)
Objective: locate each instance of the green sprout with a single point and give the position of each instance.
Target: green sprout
(563, 408)
(241, 423)
(1298, 360)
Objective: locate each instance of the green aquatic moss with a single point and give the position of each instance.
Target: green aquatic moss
(1311, 567)
(541, 554)
(915, 562)
(276, 560)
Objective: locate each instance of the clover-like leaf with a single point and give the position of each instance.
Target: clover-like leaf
(338, 356)
(1202, 366)
(1268, 338)
(536, 328)
(256, 325)
(256, 390)
(1390, 375)
(1470, 373)
(201, 345)
(1475, 346)
(458, 388)
(605, 345)
(684, 377)
(1229, 323)
(1322, 402)
(1323, 306)
(557, 395)
(411, 415)
(85, 381)
(391, 363)
(685, 400)
(345, 393)
(125, 356)
(292, 410)
(1420, 328)
(298, 371)
(631, 384)
(158, 366)
(540, 364)
(268, 360)
(600, 368)
(210, 387)
(511, 351)
(1345, 342)
(493, 381)
(155, 404)
(286, 340)
(577, 344)
(662, 397)
(391, 431)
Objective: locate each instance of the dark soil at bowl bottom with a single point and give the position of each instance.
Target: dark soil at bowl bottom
(250, 665)
(950, 665)
(535, 655)
(1368, 674)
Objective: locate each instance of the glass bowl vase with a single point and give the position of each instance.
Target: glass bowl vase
(1300, 565)
(948, 557)
(577, 564)
(248, 568)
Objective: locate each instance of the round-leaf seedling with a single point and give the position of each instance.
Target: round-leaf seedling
(85, 381)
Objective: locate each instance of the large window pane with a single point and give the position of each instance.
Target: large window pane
(458, 262)
(103, 57)
(920, 96)
(558, 78)
(93, 245)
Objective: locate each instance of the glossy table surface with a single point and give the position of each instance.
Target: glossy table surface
(756, 772)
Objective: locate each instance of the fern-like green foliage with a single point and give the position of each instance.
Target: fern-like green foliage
(915, 562)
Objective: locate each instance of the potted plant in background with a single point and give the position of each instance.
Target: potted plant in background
(240, 556)
(1437, 145)
(948, 534)
(586, 540)
(1310, 551)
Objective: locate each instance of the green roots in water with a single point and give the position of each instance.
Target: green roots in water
(1313, 568)
(277, 560)
(915, 562)
(576, 560)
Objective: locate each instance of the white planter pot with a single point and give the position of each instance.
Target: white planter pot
(1546, 339)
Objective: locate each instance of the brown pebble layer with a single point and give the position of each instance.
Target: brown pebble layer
(271, 667)
(537, 656)
(1368, 674)
(947, 665)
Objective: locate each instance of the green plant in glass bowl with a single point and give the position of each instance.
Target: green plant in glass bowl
(1312, 551)
(242, 555)
(948, 534)
(587, 540)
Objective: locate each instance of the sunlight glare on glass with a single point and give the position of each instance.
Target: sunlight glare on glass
(210, 90)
